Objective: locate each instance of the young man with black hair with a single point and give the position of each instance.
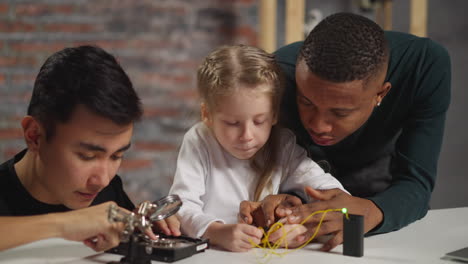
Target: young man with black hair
(78, 126)
(370, 107)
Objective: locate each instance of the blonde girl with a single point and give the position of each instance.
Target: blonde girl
(237, 152)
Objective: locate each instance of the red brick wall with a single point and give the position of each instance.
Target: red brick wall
(158, 42)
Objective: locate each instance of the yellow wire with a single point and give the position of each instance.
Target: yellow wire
(271, 248)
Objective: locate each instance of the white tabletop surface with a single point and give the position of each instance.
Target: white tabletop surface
(425, 241)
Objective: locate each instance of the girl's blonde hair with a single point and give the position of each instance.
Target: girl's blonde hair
(227, 69)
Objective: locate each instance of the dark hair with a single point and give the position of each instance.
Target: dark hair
(85, 75)
(345, 47)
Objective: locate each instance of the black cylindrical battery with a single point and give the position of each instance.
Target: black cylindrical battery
(353, 235)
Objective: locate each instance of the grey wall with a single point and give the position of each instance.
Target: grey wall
(448, 26)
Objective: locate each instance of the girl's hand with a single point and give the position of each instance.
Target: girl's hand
(233, 237)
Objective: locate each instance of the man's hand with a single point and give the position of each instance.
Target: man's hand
(169, 226)
(90, 225)
(266, 212)
(333, 221)
(233, 237)
(289, 235)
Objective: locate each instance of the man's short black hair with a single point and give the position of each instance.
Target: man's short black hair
(345, 47)
(84, 75)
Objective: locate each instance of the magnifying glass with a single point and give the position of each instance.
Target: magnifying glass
(165, 207)
(147, 213)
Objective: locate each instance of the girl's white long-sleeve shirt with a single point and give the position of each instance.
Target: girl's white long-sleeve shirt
(212, 183)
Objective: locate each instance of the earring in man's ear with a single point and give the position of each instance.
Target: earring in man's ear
(378, 104)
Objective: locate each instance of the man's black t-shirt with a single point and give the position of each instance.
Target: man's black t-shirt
(15, 200)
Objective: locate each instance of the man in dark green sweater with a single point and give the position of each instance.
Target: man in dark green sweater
(369, 106)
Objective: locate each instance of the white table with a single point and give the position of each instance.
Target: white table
(424, 241)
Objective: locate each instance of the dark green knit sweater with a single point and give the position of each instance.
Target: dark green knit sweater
(392, 158)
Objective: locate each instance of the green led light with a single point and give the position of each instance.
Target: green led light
(344, 210)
